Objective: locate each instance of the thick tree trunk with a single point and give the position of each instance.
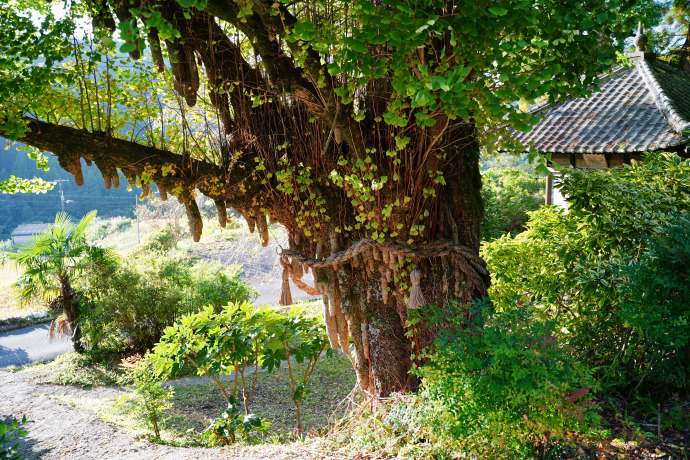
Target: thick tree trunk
(372, 288)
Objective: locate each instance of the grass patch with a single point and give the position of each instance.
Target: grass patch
(332, 381)
(86, 370)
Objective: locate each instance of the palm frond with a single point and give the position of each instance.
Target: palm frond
(80, 230)
(59, 329)
(55, 255)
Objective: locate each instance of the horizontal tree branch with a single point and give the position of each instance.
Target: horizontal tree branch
(237, 186)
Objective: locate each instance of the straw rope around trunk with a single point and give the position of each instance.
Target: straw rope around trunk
(297, 279)
(387, 259)
(425, 251)
(467, 260)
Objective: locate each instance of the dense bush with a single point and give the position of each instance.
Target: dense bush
(496, 385)
(590, 269)
(655, 290)
(508, 386)
(129, 305)
(508, 197)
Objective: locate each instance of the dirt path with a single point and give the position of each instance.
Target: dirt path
(259, 264)
(62, 431)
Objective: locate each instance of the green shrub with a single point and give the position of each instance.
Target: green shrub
(599, 272)
(150, 399)
(123, 225)
(161, 241)
(656, 305)
(507, 386)
(508, 197)
(223, 430)
(9, 445)
(106, 228)
(130, 305)
(496, 384)
(243, 339)
(677, 418)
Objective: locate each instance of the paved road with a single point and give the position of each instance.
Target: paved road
(30, 345)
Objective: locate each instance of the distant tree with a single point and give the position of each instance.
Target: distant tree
(679, 15)
(51, 261)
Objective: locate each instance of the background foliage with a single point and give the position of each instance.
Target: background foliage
(31, 208)
(128, 306)
(588, 269)
(508, 197)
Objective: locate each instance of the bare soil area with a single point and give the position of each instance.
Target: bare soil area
(57, 430)
(259, 264)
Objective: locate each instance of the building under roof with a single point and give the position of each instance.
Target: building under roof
(642, 108)
(24, 232)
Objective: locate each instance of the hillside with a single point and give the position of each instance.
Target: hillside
(36, 208)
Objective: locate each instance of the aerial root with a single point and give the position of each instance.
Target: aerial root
(222, 212)
(196, 224)
(163, 192)
(72, 164)
(156, 51)
(262, 225)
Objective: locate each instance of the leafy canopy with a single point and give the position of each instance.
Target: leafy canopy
(391, 83)
(484, 60)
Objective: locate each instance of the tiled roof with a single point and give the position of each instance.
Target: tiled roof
(30, 229)
(646, 107)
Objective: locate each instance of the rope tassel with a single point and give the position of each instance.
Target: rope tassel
(331, 321)
(416, 299)
(285, 294)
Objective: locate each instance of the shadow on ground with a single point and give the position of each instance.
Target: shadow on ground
(13, 355)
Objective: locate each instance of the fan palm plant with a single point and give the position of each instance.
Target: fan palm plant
(51, 261)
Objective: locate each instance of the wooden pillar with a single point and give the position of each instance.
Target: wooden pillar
(549, 189)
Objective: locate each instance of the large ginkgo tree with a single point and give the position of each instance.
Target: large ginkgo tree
(355, 124)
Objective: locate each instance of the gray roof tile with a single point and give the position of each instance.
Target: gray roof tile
(30, 229)
(646, 107)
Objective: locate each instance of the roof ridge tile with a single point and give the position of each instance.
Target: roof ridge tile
(663, 102)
